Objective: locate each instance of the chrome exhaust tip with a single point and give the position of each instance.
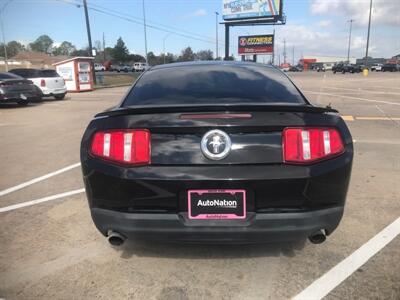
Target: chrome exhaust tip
(318, 237)
(115, 239)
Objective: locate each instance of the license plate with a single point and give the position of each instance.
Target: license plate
(217, 204)
(23, 97)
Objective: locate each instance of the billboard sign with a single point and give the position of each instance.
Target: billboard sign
(256, 44)
(251, 9)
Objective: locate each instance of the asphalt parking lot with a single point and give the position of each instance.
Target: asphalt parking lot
(51, 249)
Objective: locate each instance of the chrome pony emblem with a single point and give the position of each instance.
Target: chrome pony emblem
(216, 144)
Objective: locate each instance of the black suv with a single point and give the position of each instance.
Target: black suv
(390, 68)
(345, 68)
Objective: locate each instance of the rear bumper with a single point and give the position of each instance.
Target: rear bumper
(52, 92)
(258, 227)
(13, 98)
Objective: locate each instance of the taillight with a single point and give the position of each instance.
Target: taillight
(307, 145)
(42, 82)
(122, 146)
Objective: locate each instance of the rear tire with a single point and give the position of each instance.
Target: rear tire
(59, 97)
(23, 103)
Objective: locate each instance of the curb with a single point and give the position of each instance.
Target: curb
(112, 86)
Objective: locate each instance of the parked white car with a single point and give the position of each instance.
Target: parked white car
(99, 67)
(140, 67)
(377, 67)
(50, 83)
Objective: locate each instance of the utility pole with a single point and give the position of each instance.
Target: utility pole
(145, 32)
(216, 34)
(89, 39)
(284, 51)
(3, 35)
(369, 27)
(104, 48)
(348, 49)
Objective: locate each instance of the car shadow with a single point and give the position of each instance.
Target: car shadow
(207, 251)
(16, 106)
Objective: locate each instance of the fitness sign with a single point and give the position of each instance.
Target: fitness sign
(256, 44)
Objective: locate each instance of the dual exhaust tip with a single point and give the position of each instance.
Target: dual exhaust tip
(116, 239)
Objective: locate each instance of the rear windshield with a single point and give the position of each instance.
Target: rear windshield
(48, 73)
(33, 73)
(9, 76)
(213, 84)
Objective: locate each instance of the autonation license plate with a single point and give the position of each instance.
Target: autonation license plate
(217, 204)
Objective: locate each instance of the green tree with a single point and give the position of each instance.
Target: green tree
(204, 55)
(66, 48)
(153, 59)
(13, 48)
(136, 58)
(169, 58)
(186, 55)
(80, 52)
(120, 51)
(42, 44)
(230, 57)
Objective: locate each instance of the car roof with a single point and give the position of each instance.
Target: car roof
(12, 75)
(30, 69)
(210, 63)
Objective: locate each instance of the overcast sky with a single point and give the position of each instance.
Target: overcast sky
(314, 27)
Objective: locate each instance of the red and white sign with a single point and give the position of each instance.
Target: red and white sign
(256, 44)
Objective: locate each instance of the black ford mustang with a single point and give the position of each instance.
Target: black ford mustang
(216, 152)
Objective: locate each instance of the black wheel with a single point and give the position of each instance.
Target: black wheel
(23, 103)
(59, 97)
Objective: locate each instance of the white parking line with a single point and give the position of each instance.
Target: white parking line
(41, 200)
(38, 179)
(350, 97)
(359, 90)
(335, 276)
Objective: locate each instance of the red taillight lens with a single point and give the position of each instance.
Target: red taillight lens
(122, 146)
(42, 82)
(307, 145)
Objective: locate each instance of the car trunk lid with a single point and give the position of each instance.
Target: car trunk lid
(255, 131)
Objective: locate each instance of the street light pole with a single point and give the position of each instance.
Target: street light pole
(284, 51)
(348, 49)
(164, 39)
(89, 39)
(293, 56)
(369, 27)
(145, 31)
(216, 34)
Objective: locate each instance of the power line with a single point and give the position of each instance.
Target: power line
(134, 20)
(153, 22)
